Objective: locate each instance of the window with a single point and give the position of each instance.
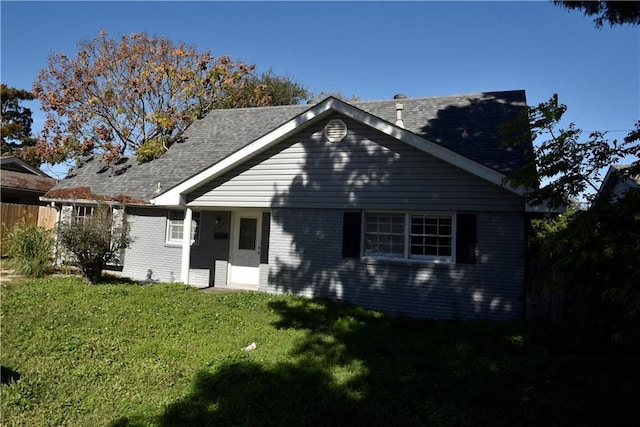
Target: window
(82, 213)
(384, 234)
(423, 236)
(248, 233)
(431, 236)
(175, 227)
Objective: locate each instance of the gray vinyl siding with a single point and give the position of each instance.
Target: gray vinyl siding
(366, 170)
(305, 259)
(620, 188)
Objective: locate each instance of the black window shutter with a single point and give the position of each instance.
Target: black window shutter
(351, 226)
(264, 242)
(466, 239)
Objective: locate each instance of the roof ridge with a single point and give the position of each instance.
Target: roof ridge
(431, 97)
(265, 107)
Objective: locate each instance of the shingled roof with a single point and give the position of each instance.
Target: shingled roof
(26, 181)
(17, 177)
(441, 120)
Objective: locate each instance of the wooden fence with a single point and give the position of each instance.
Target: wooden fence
(12, 214)
(542, 301)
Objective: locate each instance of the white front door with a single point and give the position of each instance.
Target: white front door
(245, 250)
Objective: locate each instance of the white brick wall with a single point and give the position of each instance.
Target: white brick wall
(149, 257)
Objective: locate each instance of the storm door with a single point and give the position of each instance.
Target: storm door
(245, 250)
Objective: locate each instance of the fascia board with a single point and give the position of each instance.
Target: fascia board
(174, 196)
(85, 202)
(68, 201)
(609, 178)
(24, 165)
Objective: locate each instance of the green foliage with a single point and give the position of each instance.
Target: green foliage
(150, 150)
(544, 229)
(282, 90)
(263, 89)
(16, 120)
(336, 94)
(613, 12)
(30, 248)
(172, 355)
(597, 252)
(593, 255)
(567, 167)
(94, 241)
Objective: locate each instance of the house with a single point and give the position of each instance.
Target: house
(21, 186)
(398, 205)
(616, 183)
(22, 183)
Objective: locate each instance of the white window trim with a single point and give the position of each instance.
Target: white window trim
(431, 259)
(82, 212)
(168, 227)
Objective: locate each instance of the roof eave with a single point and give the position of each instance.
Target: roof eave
(109, 202)
(69, 201)
(24, 165)
(24, 190)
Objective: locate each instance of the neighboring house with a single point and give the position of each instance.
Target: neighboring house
(398, 205)
(615, 184)
(22, 183)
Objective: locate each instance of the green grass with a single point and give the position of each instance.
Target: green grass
(169, 355)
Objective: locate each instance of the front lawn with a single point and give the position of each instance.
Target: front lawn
(170, 355)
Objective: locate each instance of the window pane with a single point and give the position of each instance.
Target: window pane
(175, 226)
(248, 233)
(431, 235)
(417, 228)
(83, 213)
(384, 234)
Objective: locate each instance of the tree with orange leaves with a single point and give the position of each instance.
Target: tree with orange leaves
(136, 95)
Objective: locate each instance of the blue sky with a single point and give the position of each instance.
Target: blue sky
(369, 49)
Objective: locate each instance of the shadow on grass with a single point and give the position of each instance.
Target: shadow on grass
(109, 279)
(357, 367)
(8, 375)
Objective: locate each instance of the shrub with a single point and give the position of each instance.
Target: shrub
(30, 248)
(597, 253)
(94, 241)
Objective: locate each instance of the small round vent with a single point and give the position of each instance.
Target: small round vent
(335, 130)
